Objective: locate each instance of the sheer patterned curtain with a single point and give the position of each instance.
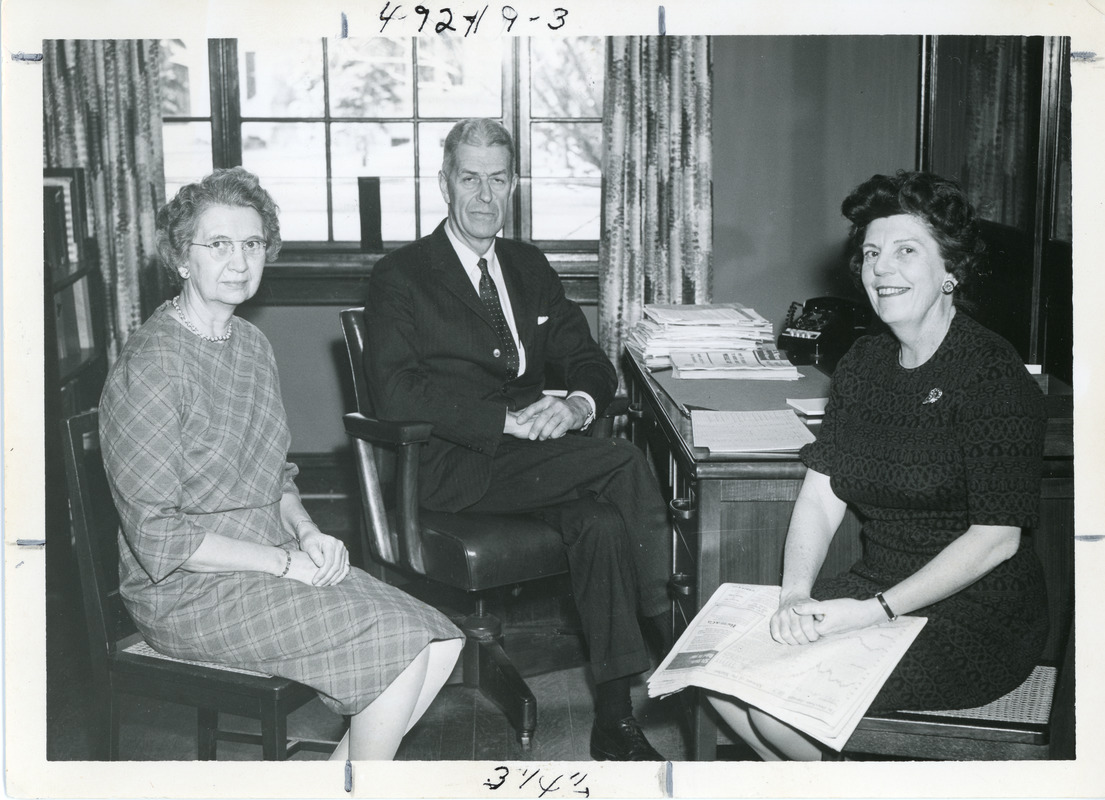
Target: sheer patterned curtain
(657, 237)
(102, 109)
(998, 140)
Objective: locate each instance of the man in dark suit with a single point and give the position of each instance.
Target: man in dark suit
(461, 327)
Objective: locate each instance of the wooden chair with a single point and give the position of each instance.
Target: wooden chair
(122, 662)
(475, 554)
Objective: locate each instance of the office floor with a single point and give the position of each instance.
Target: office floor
(460, 725)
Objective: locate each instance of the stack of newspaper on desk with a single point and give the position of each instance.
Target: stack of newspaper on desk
(823, 688)
(765, 363)
(721, 327)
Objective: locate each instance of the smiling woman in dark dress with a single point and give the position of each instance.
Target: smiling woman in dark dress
(934, 433)
(219, 561)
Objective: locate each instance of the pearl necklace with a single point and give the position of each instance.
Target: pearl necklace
(188, 324)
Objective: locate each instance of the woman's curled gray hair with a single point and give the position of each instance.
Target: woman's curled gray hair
(235, 187)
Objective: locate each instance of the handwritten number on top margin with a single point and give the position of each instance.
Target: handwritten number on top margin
(441, 27)
(388, 18)
(561, 13)
(509, 13)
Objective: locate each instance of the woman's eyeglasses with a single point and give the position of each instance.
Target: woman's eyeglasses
(223, 249)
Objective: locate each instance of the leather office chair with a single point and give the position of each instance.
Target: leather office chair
(474, 553)
(122, 662)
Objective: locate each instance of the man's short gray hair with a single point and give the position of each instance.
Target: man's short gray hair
(478, 133)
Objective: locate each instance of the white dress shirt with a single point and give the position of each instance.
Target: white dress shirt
(469, 259)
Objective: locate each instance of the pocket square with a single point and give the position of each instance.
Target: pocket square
(542, 320)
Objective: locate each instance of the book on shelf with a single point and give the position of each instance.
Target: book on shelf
(823, 688)
(759, 363)
(749, 431)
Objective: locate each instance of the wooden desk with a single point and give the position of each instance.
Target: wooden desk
(730, 513)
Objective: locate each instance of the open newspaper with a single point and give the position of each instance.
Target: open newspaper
(822, 689)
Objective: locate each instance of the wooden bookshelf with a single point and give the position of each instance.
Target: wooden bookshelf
(75, 347)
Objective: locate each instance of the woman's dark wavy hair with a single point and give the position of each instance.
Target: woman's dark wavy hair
(939, 202)
(176, 221)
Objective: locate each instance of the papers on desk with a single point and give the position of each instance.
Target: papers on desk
(760, 363)
(809, 406)
(822, 689)
(700, 328)
(749, 431)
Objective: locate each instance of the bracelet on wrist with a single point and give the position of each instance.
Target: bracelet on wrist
(890, 615)
(287, 563)
(299, 525)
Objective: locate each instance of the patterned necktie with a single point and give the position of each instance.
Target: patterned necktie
(490, 296)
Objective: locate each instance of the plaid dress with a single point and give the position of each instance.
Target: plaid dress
(194, 440)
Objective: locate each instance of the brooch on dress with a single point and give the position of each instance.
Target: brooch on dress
(934, 395)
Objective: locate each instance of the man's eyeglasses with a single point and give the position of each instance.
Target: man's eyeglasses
(223, 249)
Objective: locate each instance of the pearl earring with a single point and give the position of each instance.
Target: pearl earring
(184, 273)
(948, 286)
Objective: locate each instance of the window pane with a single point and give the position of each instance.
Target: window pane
(566, 149)
(370, 77)
(187, 153)
(457, 79)
(431, 149)
(185, 85)
(566, 76)
(567, 179)
(566, 209)
(280, 78)
(384, 150)
(290, 160)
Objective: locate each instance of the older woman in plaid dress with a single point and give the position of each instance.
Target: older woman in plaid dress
(219, 561)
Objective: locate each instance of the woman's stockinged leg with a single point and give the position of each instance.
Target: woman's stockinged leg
(736, 715)
(376, 732)
(791, 743)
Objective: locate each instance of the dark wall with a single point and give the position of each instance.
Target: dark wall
(798, 122)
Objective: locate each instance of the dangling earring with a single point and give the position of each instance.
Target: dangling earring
(185, 274)
(948, 286)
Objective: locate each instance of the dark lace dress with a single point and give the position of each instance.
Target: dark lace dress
(922, 454)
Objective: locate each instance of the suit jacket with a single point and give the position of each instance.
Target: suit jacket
(430, 356)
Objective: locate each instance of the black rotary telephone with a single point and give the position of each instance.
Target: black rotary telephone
(821, 330)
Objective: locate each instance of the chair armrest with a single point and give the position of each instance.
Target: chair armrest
(603, 426)
(393, 433)
(617, 407)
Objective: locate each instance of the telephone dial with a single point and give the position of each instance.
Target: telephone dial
(821, 330)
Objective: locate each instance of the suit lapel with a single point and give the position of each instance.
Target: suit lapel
(450, 272)
(520, 301)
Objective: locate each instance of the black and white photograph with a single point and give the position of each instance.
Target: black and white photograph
(529, 389)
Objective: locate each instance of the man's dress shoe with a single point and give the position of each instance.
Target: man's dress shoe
(623, 741)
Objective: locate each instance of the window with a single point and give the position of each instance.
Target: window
(312, 116)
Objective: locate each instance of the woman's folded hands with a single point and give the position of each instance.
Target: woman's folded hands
(322, 560)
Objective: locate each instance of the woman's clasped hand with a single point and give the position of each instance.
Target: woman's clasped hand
(322, 560)
(802, 620)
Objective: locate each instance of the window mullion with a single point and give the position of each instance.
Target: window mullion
(417, 140)
(517, 115)
(326, 140)
(226, 112)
